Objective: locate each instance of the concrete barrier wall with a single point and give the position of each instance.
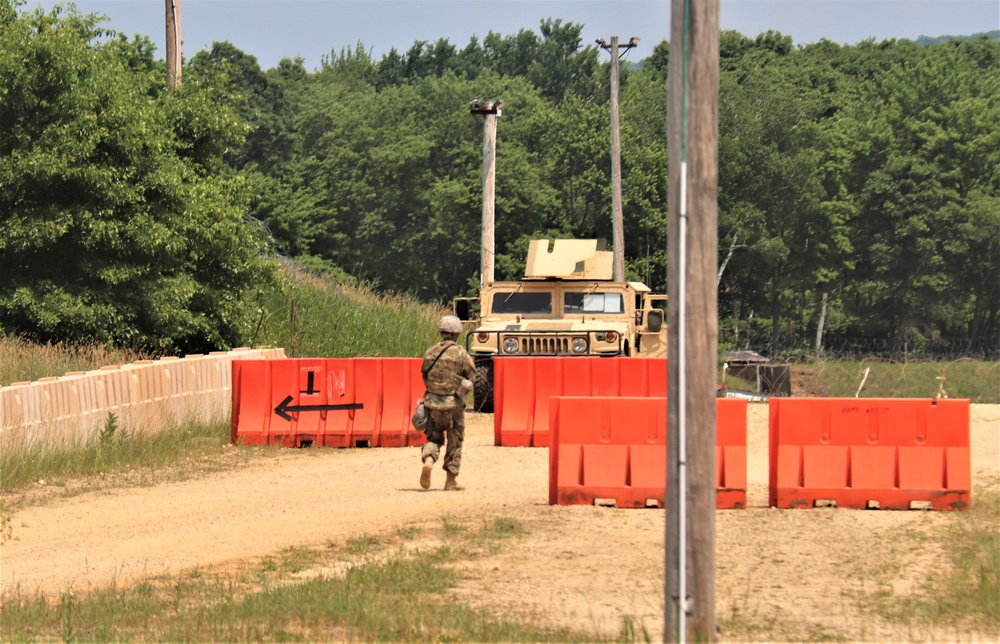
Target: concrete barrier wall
(146, 396)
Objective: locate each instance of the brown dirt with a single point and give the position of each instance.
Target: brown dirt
(805, 382)
(797, 573)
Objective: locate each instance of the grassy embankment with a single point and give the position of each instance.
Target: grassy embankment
(977, 380)
(310, 317)
(387, 592)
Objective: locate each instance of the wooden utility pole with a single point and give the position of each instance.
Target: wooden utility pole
(692, 249)
(173, 43)
(617, 231)
(490, 111)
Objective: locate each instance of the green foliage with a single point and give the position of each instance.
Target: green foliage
(108, 431)
(116, 225)
(313, 315)
(923, 185)
(855, 173)
(858, 185)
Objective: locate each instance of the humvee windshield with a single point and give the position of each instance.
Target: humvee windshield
(592, 303)
(523, 303)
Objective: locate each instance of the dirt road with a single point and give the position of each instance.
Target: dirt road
(583, 567)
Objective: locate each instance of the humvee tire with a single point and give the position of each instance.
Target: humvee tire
(482, 397)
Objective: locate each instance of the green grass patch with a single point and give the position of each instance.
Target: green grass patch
(116, 455)
(502, 528)
(295, 595)
(362, 543)
(969, 591)
(313, 315)
(976, 380)
(740, 624)
(961, 591)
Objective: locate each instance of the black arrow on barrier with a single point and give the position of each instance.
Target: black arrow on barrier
(285, 410)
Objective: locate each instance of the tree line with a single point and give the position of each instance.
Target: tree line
(859, 185)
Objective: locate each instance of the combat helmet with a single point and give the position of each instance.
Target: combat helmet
(450, 324)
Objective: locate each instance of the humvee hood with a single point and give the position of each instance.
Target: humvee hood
(571, 324)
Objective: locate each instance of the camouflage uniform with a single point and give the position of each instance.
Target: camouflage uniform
(445, 408)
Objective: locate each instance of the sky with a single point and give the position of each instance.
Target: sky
(274, 29)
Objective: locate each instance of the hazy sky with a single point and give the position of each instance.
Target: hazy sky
(274, 29)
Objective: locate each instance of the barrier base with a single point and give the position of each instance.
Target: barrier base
(873, 499)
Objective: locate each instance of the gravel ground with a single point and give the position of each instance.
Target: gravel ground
(582, 567)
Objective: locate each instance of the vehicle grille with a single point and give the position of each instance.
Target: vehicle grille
(543, 345)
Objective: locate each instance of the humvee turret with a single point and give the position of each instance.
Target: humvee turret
(566, 305)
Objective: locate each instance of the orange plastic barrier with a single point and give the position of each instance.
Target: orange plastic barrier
(884, 453)
(730, 453)
(522, 388)
(332, 402)
(607, 448)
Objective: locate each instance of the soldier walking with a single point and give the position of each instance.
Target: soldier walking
(448, 371)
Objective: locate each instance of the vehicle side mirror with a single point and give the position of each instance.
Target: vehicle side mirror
(654, 320)
(462, 309)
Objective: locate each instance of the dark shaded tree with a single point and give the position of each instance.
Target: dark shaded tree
(115, 225)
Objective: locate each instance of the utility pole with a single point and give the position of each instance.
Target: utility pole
(491, 112)
(173, 43)
(616, 159)
(692, 249)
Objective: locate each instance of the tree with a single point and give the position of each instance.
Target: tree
(644, 180)
(114, 225)
(259, 99)
(927, 179)
(560, 67)
(770, 194)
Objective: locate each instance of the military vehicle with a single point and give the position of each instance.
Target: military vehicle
(566, 305)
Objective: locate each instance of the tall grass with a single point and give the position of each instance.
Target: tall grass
(314, 316)
(308, 315)
(110, 448)
(976, 380)
(22, 361)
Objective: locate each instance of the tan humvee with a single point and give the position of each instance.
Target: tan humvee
(566, 305)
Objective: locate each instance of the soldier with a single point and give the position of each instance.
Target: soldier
(448, 371)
